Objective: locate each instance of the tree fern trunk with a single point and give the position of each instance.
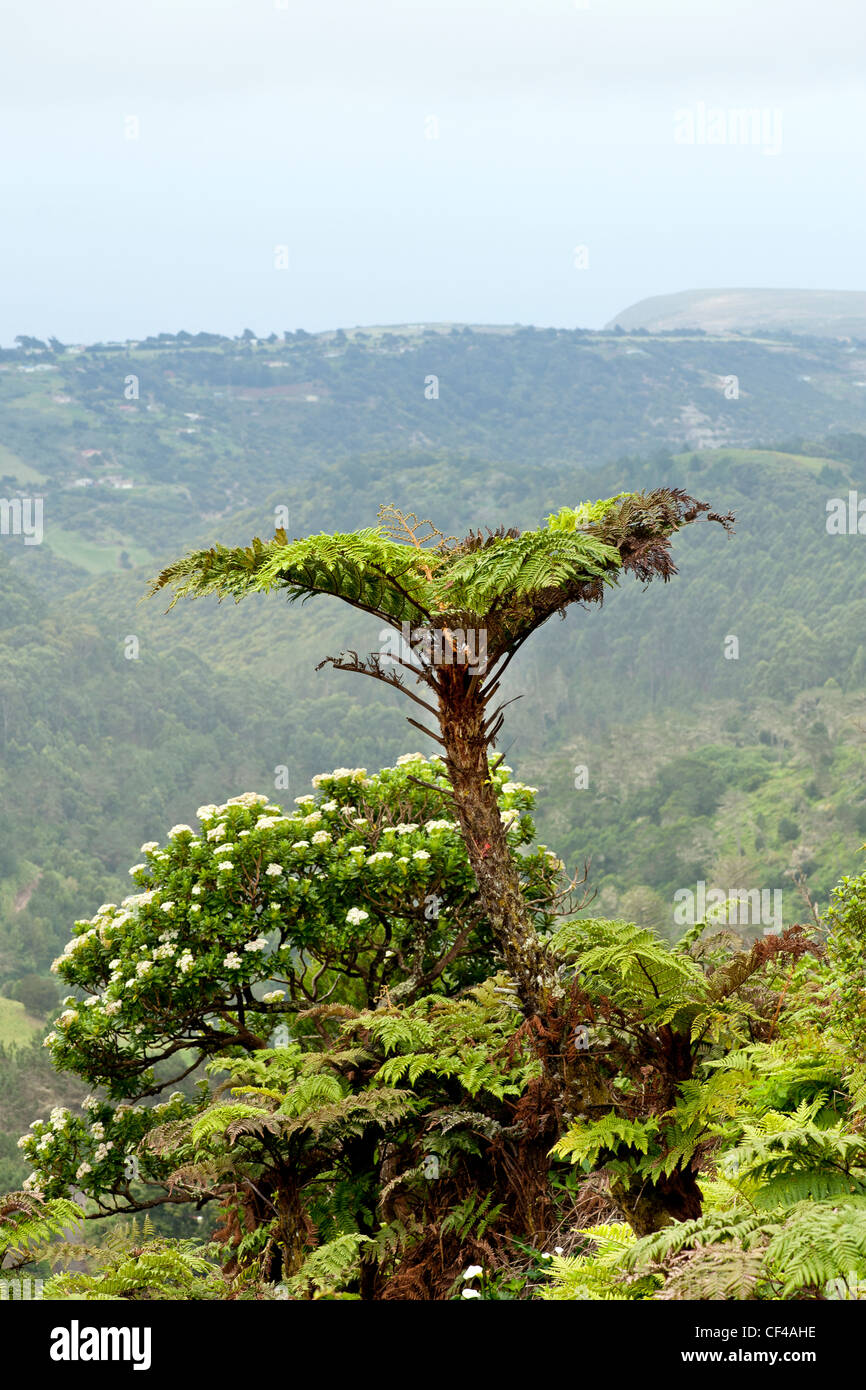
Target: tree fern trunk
(462, 717)
(650, 1206)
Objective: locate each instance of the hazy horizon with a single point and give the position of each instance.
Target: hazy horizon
(218, 165)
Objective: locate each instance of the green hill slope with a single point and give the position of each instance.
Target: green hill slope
(102, 751)
(734, 763)
(822, 313)
(210, 431)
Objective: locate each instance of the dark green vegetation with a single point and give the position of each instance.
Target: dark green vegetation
(738, 772)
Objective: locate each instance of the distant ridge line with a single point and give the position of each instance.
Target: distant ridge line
(822, 313)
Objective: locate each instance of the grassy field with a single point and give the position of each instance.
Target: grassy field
(92, 556)
(760, 458)
(16, 1025)
(11, 466)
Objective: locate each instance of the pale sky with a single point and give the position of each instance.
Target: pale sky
(420, 161)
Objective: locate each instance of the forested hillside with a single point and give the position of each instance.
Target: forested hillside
(707, 731)
(100, 748)
(138, 448)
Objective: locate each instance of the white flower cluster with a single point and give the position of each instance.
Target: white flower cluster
(246, 799)
(72, 946)
(139, 899)
(357, 915)
(340, 774)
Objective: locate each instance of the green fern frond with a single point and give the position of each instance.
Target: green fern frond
(330, 1267)
(217, 1120)
(27, 1223)
(715, 1273)
(587, 1143)
(597, 1276)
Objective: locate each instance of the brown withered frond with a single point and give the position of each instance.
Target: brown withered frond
(408, 528)
(475, 541)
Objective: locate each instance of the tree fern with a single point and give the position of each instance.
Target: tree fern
(504, 588)
(27, 1224)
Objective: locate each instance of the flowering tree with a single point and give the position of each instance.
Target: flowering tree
(363, 896)
(437, 589)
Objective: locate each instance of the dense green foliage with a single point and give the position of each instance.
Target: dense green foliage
(399, 1130)
(384, 1151)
